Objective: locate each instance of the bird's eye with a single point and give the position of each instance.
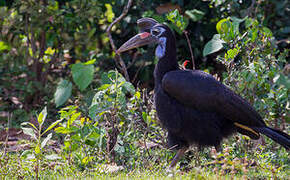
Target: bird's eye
(155, 32)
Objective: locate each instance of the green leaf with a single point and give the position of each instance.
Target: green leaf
(195, 15)
(213, 45)
(222, 26)
(104, 87)
(92, 61)
(76, 137)
(109, 13)
(37, 149)
(42, 116)
(52, 157)
(137, 95)
(82, 75)
(52, 126)
(90, 142)
(73, 118)
(236, 23)
(49, 51)
(238, 20)
(129, 87)
(92, 32)
(144, 116)
(63, 130)
(44, 142)
(28, 123)
(3, 46)
(253, 34)
(29, 131)
(87, 159)
(26, 153)
(267, 31)
(63, 92)
(94, 136)
(48, 54)
(105, 79)
(231, 54)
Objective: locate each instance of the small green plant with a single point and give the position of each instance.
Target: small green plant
(83, 140)
(129, 118)
(115, 131)
(109, 107)
(36, 132)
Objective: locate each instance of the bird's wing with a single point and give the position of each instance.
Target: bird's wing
(201, 91)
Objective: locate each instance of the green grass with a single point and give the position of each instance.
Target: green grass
(13, 166)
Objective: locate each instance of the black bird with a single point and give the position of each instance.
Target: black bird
(192, 105)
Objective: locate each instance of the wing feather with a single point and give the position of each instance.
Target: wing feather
(201, 91)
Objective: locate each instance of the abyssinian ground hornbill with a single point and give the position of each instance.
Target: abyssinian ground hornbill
(192, 105)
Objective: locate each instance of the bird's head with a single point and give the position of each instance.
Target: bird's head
(151, 32)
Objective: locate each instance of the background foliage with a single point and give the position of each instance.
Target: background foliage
(57, 54)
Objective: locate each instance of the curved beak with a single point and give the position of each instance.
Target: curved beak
(139, 40)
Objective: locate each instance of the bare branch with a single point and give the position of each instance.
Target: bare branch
(190, 48)
(250, 9)
(137, 72)
(118, 58)
(134, 58)
(283, 40)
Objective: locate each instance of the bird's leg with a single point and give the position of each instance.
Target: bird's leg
(177, 157)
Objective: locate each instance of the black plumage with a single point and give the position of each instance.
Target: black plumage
(192, 105)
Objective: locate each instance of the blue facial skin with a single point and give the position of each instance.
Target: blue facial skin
(160, 50)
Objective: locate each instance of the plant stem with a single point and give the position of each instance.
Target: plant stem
(190, 49)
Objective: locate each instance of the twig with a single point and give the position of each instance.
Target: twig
(190, 49)
(134, 58)
(118, 58)
(249, 10)
(137, 72)
(283, 40)
(7, 135)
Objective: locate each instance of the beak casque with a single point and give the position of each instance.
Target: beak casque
(142, 38)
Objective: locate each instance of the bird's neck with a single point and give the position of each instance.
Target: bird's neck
(165, 64)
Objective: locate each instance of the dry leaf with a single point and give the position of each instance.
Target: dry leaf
(165, 8)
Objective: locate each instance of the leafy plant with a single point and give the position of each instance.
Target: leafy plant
(36, 154)
(83, 139)
(109, 106)
(254, 66)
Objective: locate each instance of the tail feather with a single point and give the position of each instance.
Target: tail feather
(278, 136)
